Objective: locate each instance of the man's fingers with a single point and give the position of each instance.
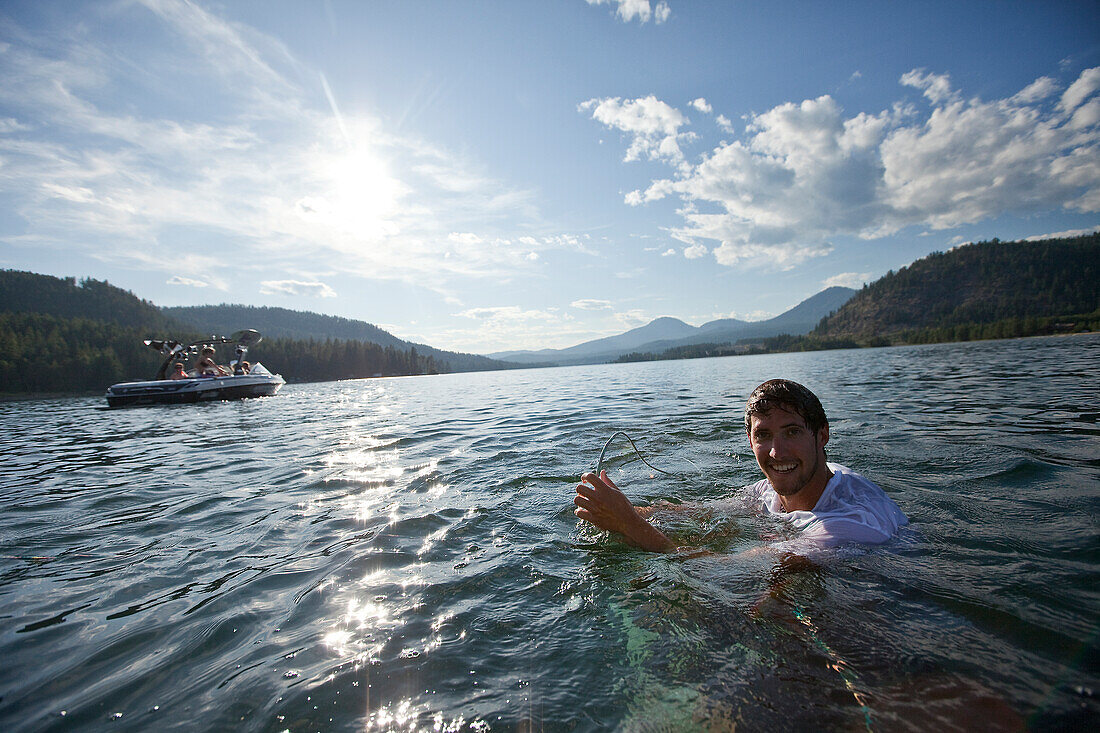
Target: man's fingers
(586, 490)
(599, 482)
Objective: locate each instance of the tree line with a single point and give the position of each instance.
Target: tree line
(1004, 328)
(985, 283)
(986, 290)
(60, 335)
(46, 354)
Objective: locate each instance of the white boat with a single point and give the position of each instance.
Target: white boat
(256, 382)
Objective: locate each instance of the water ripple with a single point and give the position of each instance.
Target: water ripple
(401, 553)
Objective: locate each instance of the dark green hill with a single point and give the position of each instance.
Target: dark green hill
(57, 335)
(1019, 287)
(60, 335)
(281, 323)
(64, 297)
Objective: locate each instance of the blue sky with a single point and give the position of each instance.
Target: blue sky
(483, 176)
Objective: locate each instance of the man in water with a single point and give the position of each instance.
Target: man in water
(788, 431)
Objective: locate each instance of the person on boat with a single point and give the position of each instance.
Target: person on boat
(178, 372)
(206, 366)
(787, 430)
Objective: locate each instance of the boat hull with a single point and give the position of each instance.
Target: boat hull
(198, 389)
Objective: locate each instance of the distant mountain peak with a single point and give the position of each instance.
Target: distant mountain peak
(666, 331)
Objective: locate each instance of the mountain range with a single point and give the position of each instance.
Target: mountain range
(666, 333)
(60, 335)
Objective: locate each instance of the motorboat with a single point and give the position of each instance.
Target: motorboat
(241, 381)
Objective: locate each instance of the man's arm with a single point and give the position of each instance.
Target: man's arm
(600, 502)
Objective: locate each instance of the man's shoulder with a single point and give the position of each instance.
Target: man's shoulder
(853, 491)
(758, 485)
(758, 489)
(844, 476)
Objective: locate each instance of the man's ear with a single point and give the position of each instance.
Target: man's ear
(823, 435)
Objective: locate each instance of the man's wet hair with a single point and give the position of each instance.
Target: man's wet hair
(789, 396)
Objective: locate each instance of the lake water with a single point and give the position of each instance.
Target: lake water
(401, 554)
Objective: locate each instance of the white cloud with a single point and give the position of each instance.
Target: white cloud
(628, 10)
(278, 172)
(668, 252)
(1037, 90)
(1085, 116)
(724, 123)
(701, 105)
(311, 289)
(656, 191)
(936, 87)
(1064, 234)
(847, 280)
(632, 318)
(591, 304)
(1086, 85)
(10, 124)
(189, 282)
(806, 172)
(230, 51)
(654, 127)
(696, 251)
(465, 238)
(569, 242)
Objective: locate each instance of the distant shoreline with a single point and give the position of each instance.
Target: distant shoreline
(20, 397)
(24, 396)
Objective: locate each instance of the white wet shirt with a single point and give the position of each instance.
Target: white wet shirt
(851, 509)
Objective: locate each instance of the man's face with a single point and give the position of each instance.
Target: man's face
(788, 452)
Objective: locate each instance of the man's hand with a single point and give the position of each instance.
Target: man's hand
(600, 502)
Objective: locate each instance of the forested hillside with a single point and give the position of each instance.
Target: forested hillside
(60, 335)
(57, 335)
(985, 290)
(45, 353)
(279, 323)
(304, 326)
(63, 297)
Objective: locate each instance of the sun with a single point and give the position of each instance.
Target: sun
(356, 194)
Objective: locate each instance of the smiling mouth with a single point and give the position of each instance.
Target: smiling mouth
(783, 467)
